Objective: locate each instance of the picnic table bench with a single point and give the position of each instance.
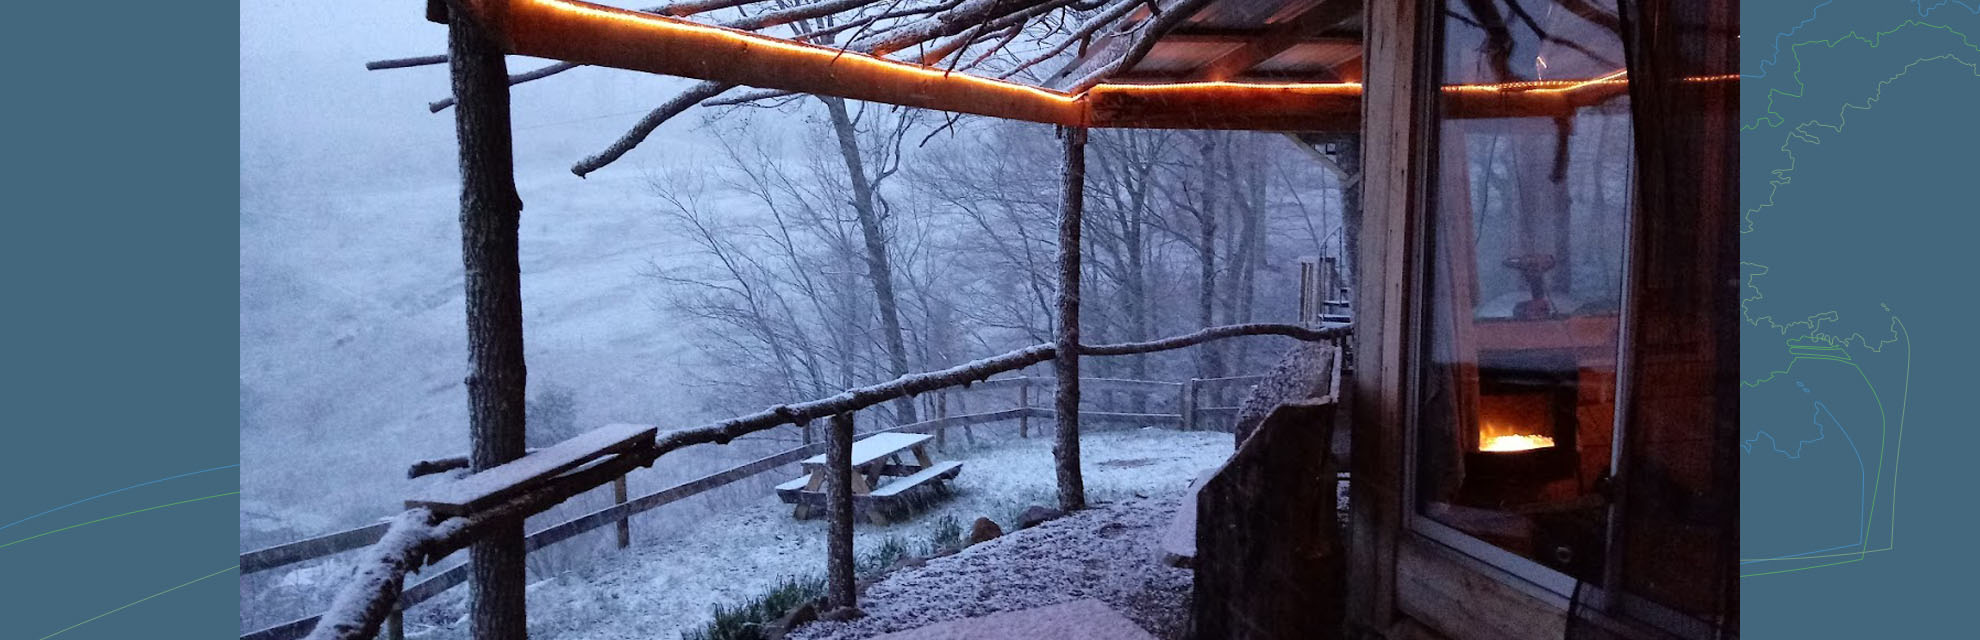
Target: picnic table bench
(878, 458)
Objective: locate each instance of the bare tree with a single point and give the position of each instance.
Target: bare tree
(879, 269)
(497, 378)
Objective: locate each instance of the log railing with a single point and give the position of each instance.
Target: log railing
(371, 601)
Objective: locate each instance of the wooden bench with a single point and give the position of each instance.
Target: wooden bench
(940, 472)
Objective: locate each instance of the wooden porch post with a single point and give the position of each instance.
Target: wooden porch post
(1065, 445)
(942, 420)
(1394, 168)
(839, 513)
(497, 377)
(1024, 408)
(1186, 404)
(625, 523)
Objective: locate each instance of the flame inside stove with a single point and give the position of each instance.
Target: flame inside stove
(1515, 443)
(1497, 438)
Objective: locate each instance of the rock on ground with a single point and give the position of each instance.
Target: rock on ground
(1107, 552)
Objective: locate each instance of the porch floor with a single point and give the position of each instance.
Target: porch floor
(1108, 553)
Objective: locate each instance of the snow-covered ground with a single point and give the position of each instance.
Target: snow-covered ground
(661, 587)
(1107, 553)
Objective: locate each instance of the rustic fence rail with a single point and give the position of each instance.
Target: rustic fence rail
(621, 512)
(428, 541)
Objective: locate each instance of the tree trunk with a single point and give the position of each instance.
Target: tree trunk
(1065, 364)
(1137, 277)
(1209, 364)
(1348, 157)
(879, 268)
(839, 513)
(497, 378)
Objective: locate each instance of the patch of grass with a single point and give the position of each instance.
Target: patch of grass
(746, 621)
(946, 536)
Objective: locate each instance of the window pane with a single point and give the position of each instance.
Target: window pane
(1524, 281)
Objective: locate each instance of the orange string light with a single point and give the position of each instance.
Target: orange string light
(555, 28)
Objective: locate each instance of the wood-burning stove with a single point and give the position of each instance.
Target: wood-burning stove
(1523, 436)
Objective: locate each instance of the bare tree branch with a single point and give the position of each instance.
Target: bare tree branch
(646, 125)
(1079, 33)
(1144, 42)
(401, 63)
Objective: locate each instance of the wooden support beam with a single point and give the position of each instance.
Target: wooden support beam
(1024, 402)
(1186, 404)
(1065, 445)
(839, 589)
(1279, 37)
(942, 421)
(1394, 185)
(625, 524)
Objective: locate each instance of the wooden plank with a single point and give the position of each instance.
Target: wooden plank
(283, 554)
(1111, 416)
(1178, 544)
(1276, 39)
(974, 418)
(1394, 169)
(1461, 597)
(466, 495)
(1128, 382)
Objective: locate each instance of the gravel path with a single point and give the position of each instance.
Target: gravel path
(1107, 552)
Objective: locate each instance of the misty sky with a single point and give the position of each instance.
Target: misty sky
(311, 112)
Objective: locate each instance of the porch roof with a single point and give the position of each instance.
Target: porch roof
(1290, 65)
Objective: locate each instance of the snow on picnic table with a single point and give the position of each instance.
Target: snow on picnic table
(661, 587)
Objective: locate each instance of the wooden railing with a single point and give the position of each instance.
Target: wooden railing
(621, 512)
(341, 541)
(418, 537)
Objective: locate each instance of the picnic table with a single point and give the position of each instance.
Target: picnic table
(887, 467)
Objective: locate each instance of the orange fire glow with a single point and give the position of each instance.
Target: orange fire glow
(1496, 438)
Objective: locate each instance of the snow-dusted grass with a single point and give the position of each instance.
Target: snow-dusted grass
(662, 587)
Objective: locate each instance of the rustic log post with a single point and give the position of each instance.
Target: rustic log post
(1065, 363)
(942, 420)
(839, 512)
(1024, 408)
(491, 211)
(625, 523)
(962, 407)
(395, 625)
(1186, 404)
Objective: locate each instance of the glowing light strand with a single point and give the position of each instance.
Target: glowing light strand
(670, 28)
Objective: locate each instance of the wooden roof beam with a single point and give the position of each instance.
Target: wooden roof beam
(1278, 38)
(586, 33)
